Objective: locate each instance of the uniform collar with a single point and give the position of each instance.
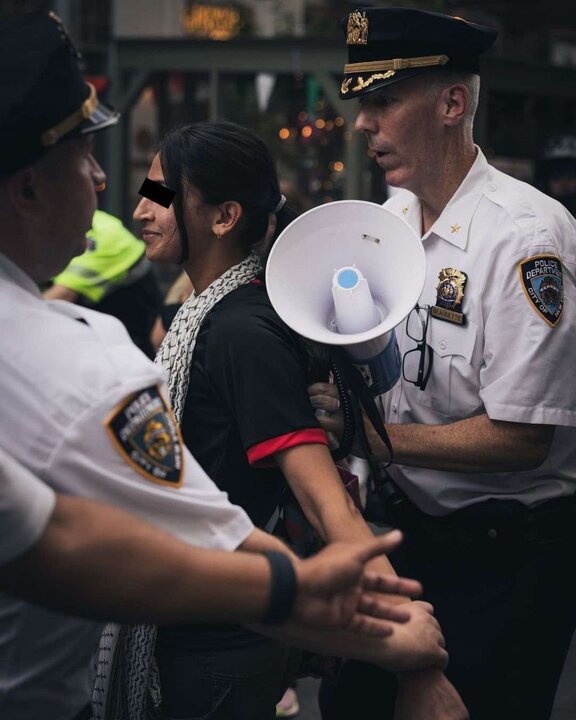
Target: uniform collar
(454, 222)
(12, 272)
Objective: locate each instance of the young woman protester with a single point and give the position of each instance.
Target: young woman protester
(237, 379)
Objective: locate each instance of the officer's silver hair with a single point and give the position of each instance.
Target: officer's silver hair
(437, 81)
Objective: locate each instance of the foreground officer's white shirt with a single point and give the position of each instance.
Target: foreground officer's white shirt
(83, 410)
(509, 360)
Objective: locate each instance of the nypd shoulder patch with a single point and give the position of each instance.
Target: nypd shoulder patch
(146, 435)
(541, 278)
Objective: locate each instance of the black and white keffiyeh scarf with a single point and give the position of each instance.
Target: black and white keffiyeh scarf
(175, 353)
(127, 684)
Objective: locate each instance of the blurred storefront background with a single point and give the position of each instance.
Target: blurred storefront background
(274, 65)
(266, 64)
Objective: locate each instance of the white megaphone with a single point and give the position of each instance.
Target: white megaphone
(347, 273)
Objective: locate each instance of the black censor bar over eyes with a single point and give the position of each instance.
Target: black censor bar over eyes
(156, 192)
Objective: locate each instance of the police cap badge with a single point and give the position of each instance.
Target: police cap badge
(386, 45)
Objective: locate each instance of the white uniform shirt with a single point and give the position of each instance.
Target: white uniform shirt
(26, 505)
(507, 360)
(73, 397)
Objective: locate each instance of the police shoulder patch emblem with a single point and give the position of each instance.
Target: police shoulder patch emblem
(145, 433)
(541, 278)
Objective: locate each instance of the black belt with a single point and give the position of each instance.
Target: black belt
(492, 522)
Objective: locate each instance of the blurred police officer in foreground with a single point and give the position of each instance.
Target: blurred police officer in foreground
(85, 411)
(483, 420)
(92, 560)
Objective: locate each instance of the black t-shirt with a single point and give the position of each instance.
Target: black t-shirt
(246, 401)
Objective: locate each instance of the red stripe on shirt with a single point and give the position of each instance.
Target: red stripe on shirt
(261, 454)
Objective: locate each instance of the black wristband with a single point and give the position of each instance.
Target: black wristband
(283, 588)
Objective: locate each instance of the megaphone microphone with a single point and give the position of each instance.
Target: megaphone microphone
(356, 312)
(355, 309)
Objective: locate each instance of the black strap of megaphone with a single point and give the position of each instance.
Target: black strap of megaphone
(359, 390)
(389, 494)
(358, 393)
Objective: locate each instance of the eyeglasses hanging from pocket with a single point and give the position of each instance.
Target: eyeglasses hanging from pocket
(417, 363)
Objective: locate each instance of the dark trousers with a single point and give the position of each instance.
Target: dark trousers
(242, 683)
(501, 580)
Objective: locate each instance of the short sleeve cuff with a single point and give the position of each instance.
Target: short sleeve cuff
(534, 415)
(262, 454)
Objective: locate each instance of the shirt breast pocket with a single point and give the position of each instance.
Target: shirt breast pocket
(453, 388)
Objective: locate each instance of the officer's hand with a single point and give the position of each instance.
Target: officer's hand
(325, 400)
(334, 588)
(428, 695)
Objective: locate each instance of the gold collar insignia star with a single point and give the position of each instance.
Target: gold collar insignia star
(455, 228)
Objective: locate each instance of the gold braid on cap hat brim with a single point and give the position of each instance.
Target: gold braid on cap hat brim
(86, 110)
(384, 69)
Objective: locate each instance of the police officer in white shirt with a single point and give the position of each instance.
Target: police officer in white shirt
(92, 560)
(482, 422)
(83, 408)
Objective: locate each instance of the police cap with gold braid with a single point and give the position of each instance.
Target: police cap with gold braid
(386, 45)
(43, 97)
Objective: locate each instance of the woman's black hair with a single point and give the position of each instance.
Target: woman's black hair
(224, 161)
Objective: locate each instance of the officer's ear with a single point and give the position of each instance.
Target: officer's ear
(21, 189)
(454, 104)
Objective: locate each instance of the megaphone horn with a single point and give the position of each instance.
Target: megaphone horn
(347, 273)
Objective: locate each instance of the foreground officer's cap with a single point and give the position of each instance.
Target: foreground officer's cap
(43, 97)
(386, 45)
